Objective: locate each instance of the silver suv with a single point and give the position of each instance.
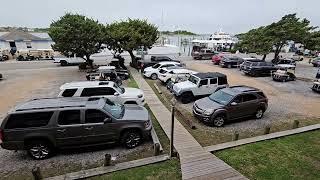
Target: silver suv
(41, 126)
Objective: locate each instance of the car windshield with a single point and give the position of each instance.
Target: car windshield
(221, 97)
(193, 79)
(116, 110)
(155, 66)
(121, 90)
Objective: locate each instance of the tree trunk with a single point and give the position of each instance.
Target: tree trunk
(133, 59)
(89, 61)
(278, 50)
(264, 57)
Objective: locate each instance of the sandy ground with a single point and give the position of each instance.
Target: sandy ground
(27, 80)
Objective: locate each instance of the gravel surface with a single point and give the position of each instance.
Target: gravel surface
(27, 80)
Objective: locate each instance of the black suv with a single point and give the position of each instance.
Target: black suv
(258, 68)
(229, 104)
(231, 61)
(42, 125)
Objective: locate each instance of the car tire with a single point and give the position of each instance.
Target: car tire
(219, 120)
(131, 139)
(154, 76)
(39, 149)
(259, 113)
(63, 63)
(186, 97)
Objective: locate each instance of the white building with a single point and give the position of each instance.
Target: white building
(20, 40)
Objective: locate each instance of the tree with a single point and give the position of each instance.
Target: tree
(76, 34)
(130, 35)
(275, 36)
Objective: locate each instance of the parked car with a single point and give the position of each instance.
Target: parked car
(229, 104)
(284, 61)
(1, 76)
(165, 74)
(258, 68)
(316, 86)
(203, 54)
(217, 58)
(200, 84)
(285, 72)
(230, 62)
(41, 126)
(142, 64)
(249, 60)
(69, 61)
(107, 89)
(316, 62)
(177, 78)
(153, 71)
(296, 57)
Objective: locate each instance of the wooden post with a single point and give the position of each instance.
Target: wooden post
(295, 124)
(267, 130)
(156, 149)
(172, 132)
(107, 160)
(235, 136)
(36, 173)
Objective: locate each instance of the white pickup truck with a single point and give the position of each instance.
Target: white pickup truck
(65, 61)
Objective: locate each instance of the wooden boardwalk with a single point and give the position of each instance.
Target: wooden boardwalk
(196, 163)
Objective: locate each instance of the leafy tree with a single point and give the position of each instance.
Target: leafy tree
(275, 36)
(130, 35)
(76, 34)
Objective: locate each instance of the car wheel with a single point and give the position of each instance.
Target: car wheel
(131, 139)
(39, 150)
(186, 97)
(63, 63)
(154, 76)
(219, 121)
(259, 113)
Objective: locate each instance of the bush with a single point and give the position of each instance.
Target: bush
(83, 66)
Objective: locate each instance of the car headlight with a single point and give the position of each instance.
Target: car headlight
(140, 95)
(208, 112)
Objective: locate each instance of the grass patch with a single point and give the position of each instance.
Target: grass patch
(169, 169)
(292, 157)
(132, 83)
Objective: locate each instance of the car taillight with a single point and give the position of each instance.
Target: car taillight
(1, 136)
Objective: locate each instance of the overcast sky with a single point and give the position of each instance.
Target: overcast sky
(200, 16)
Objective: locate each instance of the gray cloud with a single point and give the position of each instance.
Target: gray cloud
(201, 16)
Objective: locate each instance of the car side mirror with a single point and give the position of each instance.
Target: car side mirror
(107, 120)
(116, 94)
(234, 104)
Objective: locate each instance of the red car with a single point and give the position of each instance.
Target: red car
(217, 58)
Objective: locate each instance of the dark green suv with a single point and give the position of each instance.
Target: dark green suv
(41, 126)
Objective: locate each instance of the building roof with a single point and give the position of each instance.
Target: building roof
(20, 36)
(210, 75)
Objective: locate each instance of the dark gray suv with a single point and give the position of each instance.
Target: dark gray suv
(42, 125)
(231, 103)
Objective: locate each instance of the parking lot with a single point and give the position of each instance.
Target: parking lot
(27, 80)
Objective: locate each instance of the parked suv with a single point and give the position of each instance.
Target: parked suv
(41, 126)
(199, 84)
(165, 74)
(258, 68)
(153, 71)
(229, 104)
(230, 62)
(107, 89)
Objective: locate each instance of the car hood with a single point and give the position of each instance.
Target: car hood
(206, 104)
(185, 84)
(132, 92)
(134, 112)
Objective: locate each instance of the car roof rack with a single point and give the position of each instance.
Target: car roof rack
(55, 107)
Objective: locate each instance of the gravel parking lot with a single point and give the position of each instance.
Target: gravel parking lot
(27, 80)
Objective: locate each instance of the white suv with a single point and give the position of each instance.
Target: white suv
(153, 72)
(200, 84)
(165, 74)
(106, 89)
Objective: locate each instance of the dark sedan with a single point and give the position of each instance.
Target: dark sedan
(316, 62)
(231, 61)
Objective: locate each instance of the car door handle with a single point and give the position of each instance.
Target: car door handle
(88, 128)
(61, 130)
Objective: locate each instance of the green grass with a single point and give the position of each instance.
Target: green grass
(292, 157)
(165, 170)
(132, 83)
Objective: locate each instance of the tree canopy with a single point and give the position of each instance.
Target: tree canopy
(76, 34)
(275, 36)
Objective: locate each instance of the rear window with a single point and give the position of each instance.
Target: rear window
(69, 92)
(261, 94)
(26, 120)
(222, 81)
